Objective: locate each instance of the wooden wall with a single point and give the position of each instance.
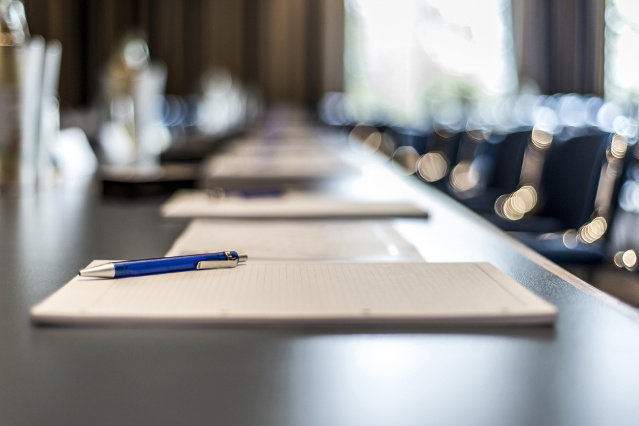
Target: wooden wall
(291, 49)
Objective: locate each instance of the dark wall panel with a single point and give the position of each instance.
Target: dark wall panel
(275, 44)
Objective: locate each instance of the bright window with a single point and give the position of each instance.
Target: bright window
(621, 78)
(408, 60)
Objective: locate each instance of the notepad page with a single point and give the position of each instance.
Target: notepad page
(340, 293)
(194, 203)
(291, 166)
(284, 149)
(319, 240)
(297, 146)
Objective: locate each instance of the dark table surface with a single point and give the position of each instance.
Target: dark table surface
(584, 370)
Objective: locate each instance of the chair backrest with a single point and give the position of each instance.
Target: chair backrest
(508, 160)
(620, 171)
(410, 137)
(571, 176)
(445, 142)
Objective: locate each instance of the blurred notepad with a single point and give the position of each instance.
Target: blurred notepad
(189, 203)
(286, 147)
(280, 167)
(314, 293)
(318, 240)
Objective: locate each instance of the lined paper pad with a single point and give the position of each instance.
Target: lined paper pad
(189, 203)
(338, 293)
(321, 240)
(282, 166)
(300, 147)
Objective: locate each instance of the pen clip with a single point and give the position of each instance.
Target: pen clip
(230, 262)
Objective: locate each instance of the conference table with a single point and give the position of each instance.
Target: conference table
(583, 370)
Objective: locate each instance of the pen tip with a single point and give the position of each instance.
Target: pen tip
(100, 271)
(242, 257)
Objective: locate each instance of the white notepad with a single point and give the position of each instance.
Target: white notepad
(286, 147)
(278, 166)
(314, 240)
(304, 293)
(193, 203)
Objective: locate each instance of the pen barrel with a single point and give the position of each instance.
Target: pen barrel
(166, 264)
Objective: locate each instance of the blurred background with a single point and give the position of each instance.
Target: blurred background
(524, 111)
(291, 50)
(294, 50)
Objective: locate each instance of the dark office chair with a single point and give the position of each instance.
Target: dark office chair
(565, 249)
(564, 196)
(506, 157)
(440, 155)
(471, 169)
(570, 180)
(581, 185)
(417, 139)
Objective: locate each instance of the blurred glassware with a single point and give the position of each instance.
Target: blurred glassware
(14, 34)
(32, 149)
(49, 116)
(73, 155)
(133, 134)
(32, 63)
(225, 106)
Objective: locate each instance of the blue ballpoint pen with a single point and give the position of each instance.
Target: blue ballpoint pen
(163, 265)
